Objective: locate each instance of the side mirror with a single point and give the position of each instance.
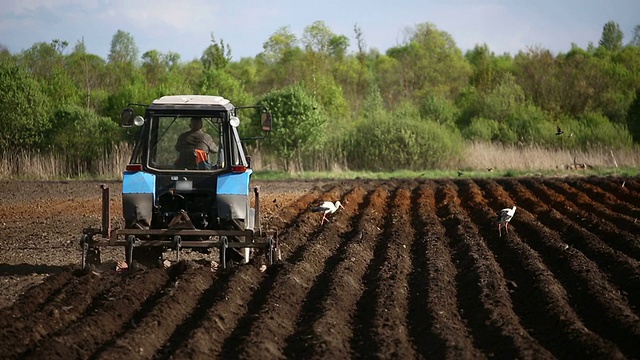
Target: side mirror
(126, 117)
(265, 121)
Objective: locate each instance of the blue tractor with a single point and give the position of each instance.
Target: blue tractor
(187, 185)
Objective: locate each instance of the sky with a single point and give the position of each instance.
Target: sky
(187, 26)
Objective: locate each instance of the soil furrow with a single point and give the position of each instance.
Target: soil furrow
(293, 243)
(601, 307)
(363, 341)
(482, 293)
(296, 236)
(604, 199)
(35, 298)
(596, 212)
(206, 332)
(288, 292)
(70, 304)
(118, 307)
(290, 213)
(152, 328)
(411, 268)
(622, 270)
(322, 328)
(217, 313)
(391, 294)
(622, 189)
(538, 297)
(474, 205)
(435, 324)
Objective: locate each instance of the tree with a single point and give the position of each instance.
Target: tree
(611, 36)
(123, 48)
(635, 38)
(217, 55)
(488, 69)
(633, 118)
(86, 70)
(5, 55)
(430, 62)
(153, 67)
(300, 125)
(43, 60)
(281, 64)
(82, 133)
(317, 37)
(278, 45)
(24, 108)
(47, 64)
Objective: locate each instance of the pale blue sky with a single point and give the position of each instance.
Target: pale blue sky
(185, 27)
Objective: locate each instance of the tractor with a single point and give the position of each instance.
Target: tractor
(178, 195)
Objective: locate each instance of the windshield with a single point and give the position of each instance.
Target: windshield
(185, 143)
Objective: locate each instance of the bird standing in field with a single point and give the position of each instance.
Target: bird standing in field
(325, 208)
(503, 219)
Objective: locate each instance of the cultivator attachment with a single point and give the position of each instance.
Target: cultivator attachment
(147, 245)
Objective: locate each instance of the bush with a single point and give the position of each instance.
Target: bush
(389, 144)
(24, 108)
(81, 133)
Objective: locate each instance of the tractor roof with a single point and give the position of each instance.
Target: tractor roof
(201, 101)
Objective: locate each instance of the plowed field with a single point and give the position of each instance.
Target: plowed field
(409, 269)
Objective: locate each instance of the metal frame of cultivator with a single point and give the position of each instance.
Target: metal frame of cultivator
(92, 239)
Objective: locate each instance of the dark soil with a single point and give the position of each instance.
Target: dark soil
(410, 269)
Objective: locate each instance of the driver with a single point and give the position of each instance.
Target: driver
(194, 144)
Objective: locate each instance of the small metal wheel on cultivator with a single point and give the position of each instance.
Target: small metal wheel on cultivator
(146, 246)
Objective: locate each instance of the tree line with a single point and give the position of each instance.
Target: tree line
(415, 106)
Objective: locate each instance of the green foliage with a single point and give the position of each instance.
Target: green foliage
(81, 133)
(430, 63)
(217, 55)
(278, 45)
(440, 110)
(487, 69)
(596, 130)
(611, 36)
(319, 38)
(299, 124)
(123, 48)
(24, 108)
(390, 143)
(116, 101)
(87, 72)
(523, 125)
(635, 37)
(219, 82)
(485, 130)
(592, 130)
(330, 96)
(633, 117)
(433, 93)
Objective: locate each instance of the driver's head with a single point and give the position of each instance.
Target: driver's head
(196, 123)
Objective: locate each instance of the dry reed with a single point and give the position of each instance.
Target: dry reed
(485, 155)
(36, 165)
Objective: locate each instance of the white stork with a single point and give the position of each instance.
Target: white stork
(504, 217)
(327, 207)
